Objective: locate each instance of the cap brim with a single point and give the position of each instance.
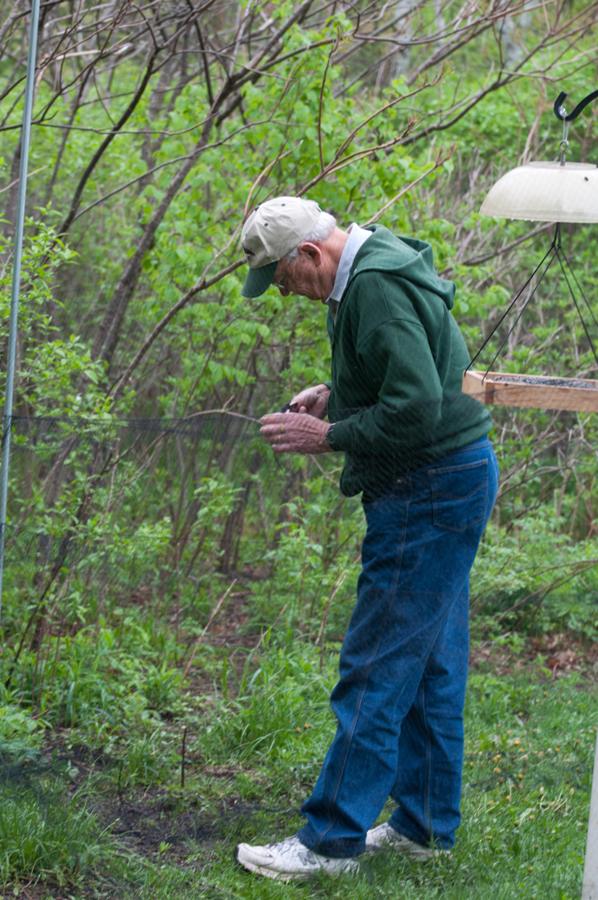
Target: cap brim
(258, 280)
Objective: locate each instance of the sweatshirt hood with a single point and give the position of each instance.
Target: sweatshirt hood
(407, 258)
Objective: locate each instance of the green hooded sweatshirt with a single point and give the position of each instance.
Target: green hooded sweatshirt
(398, 358)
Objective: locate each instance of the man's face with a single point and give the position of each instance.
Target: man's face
(310, 274)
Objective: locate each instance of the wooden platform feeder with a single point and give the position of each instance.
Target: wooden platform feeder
(536, 391)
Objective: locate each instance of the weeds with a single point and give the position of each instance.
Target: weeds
(44, 833)
(117, 822)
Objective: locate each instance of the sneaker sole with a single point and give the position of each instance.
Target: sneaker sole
(415, 855)
(289, 876)
(272, 873)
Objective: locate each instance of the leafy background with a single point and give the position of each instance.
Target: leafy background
(173, 595)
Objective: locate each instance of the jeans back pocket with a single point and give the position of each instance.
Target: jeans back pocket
(459, 495)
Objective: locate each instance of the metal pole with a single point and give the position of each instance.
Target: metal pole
(590, 872)
(16, 279)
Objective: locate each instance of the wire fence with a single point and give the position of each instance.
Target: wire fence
(103, 508)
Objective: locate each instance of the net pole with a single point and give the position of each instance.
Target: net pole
(590, 871)
(16, 280)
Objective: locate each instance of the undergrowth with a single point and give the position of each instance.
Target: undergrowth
(153, 806)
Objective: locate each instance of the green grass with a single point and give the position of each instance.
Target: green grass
(44, 834)
(116, 822)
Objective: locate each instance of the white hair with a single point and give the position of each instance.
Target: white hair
(322, 230)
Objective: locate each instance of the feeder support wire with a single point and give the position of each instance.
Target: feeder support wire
(555, 251)
(566, 267)
(16, 279)
(550, 252)
(579, 313)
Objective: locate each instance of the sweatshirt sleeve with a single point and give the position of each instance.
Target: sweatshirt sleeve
(396, 358)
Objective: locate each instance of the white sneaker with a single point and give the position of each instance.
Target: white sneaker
(386, 836)
(290, 860)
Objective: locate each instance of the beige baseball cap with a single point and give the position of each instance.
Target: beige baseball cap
(272, 230)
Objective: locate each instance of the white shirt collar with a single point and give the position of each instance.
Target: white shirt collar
(357, 237)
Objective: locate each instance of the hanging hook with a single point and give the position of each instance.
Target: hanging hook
(560, 111)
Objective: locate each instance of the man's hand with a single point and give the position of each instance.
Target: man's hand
(295, 432)
(312, 400)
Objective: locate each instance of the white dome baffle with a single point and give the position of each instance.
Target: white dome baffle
(546, 192)
(557, 192)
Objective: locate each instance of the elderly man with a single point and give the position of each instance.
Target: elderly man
(416, 450)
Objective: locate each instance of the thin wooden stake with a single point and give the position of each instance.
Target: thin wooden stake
(183, 752)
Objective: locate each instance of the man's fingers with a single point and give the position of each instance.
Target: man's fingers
(276, 420)
(294, 433)
(274, 428)
(271, 418)
(275, 423)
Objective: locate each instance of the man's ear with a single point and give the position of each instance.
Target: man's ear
(313, 251)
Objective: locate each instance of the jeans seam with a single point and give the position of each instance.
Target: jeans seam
(372, 659)
(428, 773)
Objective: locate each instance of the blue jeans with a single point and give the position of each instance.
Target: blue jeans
(403, 665)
